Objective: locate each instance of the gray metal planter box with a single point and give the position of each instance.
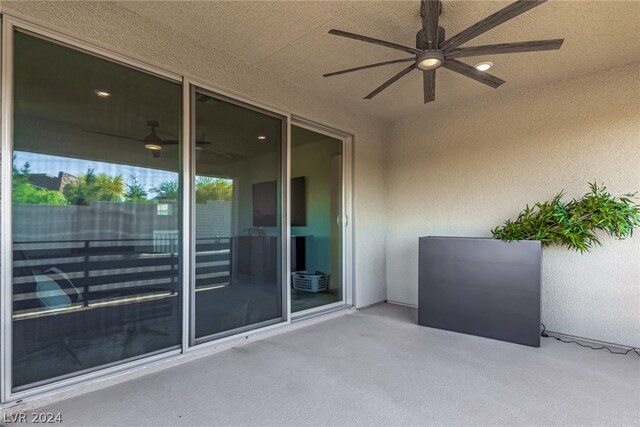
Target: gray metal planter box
(483, 287)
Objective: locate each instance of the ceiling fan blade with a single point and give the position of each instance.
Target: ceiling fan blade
(390, 81)
(429, 82)
(471, 72)
(166, 134)
(364, 67)
(174, 142)
(375, 41)
(201, 143)
(222, 153)
(500, 17)
(430, 22)
(497, 49)
(113, 134)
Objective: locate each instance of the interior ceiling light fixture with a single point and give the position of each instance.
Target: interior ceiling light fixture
(102, 93)
(262, 138)
(483, 66)
(152, 141)
(433, 50)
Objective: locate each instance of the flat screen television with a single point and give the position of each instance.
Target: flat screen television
(265, 203)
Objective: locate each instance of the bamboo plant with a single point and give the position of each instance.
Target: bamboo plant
(574, 224)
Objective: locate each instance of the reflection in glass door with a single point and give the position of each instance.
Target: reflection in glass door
(96, 276)
(316, 219)
(238, 223)
(97, 202)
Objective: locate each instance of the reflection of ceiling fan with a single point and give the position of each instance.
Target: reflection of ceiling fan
(433, 50)
(153, 142)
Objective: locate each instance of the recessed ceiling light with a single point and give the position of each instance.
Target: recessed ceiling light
(102, 93)
(262, 138)
(483, 66)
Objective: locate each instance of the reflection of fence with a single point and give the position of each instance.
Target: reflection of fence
(114, 270)
(107, 220)
(213, 262)
(165, 240)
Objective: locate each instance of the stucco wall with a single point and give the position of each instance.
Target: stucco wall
(118, 29)
(463, 171)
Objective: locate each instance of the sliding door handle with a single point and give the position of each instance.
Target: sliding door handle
(342, 222)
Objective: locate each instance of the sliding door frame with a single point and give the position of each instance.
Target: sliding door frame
(194, 86)
(6, 241)
(346, 220)
(9, 25)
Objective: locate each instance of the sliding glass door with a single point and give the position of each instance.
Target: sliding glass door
(238, 217)
(96, 213)
(108, 206)
(317, 219)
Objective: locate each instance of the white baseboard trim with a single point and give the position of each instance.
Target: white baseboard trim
(402, 303)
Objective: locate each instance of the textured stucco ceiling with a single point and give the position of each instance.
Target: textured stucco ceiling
(289, 39)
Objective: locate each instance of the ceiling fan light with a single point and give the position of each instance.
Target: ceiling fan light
(152, 141)
(429, 63)
(429, 60)
(483, 66)
(102, 93)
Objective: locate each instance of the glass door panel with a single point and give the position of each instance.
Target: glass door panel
(316, 219)
(237, 217)
(96, 271)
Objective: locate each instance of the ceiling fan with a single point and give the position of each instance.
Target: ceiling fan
(154, 143)
(433, 50)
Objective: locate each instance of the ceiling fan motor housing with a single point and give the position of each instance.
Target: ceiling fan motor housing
(429, 60)
(421, 39)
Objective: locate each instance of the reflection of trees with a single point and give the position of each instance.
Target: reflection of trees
(92, 187)
(167, 190)
(208, 188)
(135, 191)
(95, 188)
(25, 192)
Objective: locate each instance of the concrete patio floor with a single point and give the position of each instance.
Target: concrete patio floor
(374, 367)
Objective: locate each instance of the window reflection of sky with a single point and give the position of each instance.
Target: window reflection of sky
(52, 165)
